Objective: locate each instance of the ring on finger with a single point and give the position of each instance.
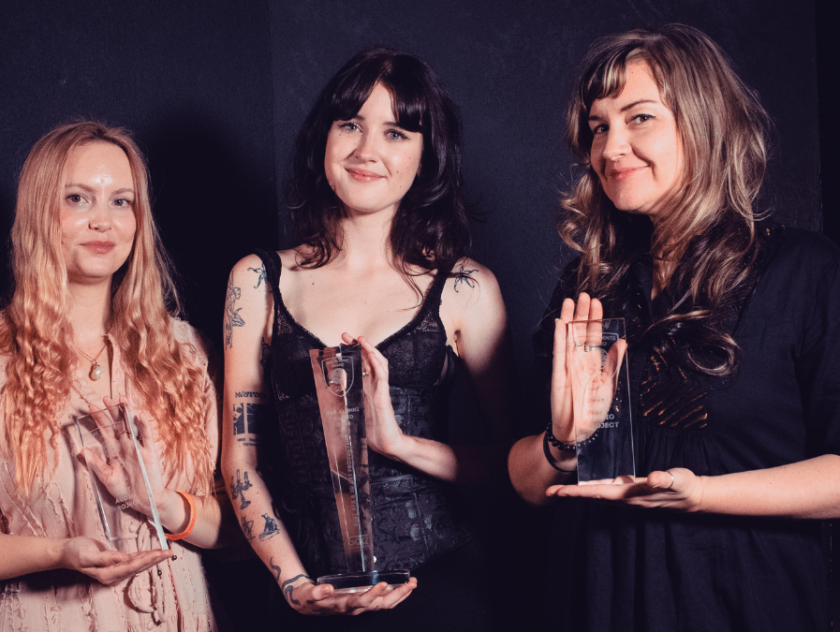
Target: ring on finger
(672, 479)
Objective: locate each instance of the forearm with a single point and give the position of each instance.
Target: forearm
(808, 489)
(531, 473)
(21, 555)
(261, 527)
(465, 465)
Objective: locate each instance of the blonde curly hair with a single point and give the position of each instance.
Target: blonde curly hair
(37, 335)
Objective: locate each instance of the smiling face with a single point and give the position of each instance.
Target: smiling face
(636, 148)
(96, 213)
(370, 161)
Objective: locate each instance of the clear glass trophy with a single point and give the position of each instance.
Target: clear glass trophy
(111, 450)
(339, 382)
(597, 361)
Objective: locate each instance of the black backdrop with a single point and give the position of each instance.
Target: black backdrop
(215, 91)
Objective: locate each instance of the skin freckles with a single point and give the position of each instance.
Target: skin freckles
(370, 161)
(636, 149)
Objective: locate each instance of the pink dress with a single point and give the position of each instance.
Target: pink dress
(68, 601)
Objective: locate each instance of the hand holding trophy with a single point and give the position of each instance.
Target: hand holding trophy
(590, 393)
(341, 384)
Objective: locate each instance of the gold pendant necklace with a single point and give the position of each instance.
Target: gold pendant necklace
(95, 369)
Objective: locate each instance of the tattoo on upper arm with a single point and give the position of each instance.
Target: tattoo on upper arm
(261, 276)
(238, 487)
(271, 528)
(247, 528)
(232, 317)
(465, 276)
(275, 568)
(288, 589)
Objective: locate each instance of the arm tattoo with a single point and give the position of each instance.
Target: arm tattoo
(247, 529)
(288, 589)
(238, 487)
(249, 418)
(465, 276)
(232, 317)
(271, 528)
(274, 568)
(260, 276)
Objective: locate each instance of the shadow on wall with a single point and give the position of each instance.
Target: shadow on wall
(210, 207)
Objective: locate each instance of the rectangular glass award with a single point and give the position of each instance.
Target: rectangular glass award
(339, 383)
(597, 361)
(108, 444)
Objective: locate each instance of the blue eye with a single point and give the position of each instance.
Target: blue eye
(349, 126)
(395, 134)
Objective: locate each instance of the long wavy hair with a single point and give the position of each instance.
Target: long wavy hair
(430, 229)
(707, 236)
(37, 335)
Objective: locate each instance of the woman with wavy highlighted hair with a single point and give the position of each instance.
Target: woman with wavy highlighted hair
(91, 322)
(734, 359)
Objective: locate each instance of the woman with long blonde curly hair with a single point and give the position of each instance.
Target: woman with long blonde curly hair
(91, 322)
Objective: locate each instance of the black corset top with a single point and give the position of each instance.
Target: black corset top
(416, 517)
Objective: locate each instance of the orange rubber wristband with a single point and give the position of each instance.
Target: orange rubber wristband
(193, 515)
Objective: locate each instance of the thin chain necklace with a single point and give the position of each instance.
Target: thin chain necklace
(95, 369)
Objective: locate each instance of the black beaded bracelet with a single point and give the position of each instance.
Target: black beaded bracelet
(548, 456)
(549, 436)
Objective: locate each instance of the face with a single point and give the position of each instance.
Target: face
(371, 162)
(97, 212)
(636, 148)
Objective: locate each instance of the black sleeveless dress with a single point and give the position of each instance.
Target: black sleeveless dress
(417, 518)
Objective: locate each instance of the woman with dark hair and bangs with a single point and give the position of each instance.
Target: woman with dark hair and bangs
(734, 359)
(377, 202)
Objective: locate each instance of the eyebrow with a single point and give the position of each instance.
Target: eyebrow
(629, 106)
(84, 187)
(387, 123)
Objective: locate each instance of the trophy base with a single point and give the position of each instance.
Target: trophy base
(361, 582)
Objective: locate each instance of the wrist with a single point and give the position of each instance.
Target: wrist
(56, 553)
(174, 511)
(562, 460)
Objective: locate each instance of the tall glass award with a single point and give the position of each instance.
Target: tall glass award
(339, 382)
(111, 450)
(597, 360)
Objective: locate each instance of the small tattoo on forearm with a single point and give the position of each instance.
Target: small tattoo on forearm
(248, 417)
(247, 528)
(261, 276)
(465, 276)
(254, 394)
(232, 317)
(290, 595)
(238, 487)
(271, 528)
(275, 568)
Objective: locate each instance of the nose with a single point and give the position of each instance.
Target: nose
(100, 217)
(366, 149)
(615, 144)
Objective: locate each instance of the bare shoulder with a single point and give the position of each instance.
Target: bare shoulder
(248, 273)
(471, 284)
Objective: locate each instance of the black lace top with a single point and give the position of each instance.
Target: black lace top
(623, 569)
(416, 517)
